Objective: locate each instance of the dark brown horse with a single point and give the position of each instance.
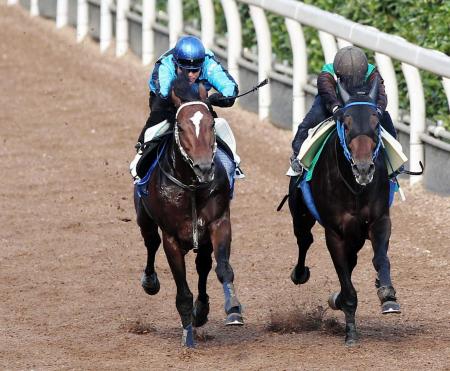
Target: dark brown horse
(188, 199)
(350, 187)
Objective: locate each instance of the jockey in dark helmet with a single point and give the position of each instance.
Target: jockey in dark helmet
(350, 66)
(189, 56)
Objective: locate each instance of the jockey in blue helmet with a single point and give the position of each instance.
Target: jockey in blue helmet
(200, 65)
(190, 57)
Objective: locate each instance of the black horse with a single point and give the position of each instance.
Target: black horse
(188, 198)
(351, 189)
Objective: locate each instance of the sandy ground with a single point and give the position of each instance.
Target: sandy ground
(71, 254)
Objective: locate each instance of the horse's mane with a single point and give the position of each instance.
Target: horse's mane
(184, 90)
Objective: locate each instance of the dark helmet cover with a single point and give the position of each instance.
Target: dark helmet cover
(350, 62)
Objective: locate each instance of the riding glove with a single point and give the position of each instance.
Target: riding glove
(219, 100)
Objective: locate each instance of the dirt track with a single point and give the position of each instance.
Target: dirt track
(71, 254)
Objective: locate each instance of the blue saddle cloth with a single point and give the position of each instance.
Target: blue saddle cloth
(309, 199)
(221, 155)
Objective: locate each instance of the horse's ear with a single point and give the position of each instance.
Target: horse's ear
(343, 93)
(202, 92)
(175, 100)
(373, 94)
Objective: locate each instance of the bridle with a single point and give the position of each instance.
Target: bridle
(343, 142)
(183, 152)
(342, 138)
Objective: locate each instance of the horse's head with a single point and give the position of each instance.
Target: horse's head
(194, 131)
(359, 131)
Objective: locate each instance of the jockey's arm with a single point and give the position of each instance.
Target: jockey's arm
(326, 87)
(221, 80)
(161, 79)
(382, 97)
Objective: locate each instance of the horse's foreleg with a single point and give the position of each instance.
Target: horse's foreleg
(302, 221)
(379, 234)
(203, 262)
(175, 257)
(221, 239)
(346, 300)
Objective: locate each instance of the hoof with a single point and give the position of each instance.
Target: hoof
(234, 319)
(390, 307)
(303, 278)
(351, 342)
(351, 336)
(150, 284)
(332, 301)
(187, 340)
(200, 313)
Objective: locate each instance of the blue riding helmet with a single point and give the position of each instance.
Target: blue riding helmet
(189, 53)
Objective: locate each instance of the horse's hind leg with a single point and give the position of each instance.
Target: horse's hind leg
(379, 235)
(302, 221)
(203, 263)
(149, 231)
(221, 239)
(175, 257)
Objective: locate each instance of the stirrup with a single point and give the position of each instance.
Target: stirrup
(238, 173)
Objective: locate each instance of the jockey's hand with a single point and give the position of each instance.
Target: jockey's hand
(295, 164)
(338, 114)
(218, 99)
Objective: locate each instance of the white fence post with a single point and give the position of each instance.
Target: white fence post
(34, 8)
(82, 20)
(12, 2)
(207, 27)
(148, 36)
(175, 12)
(105, 25)
(122, 27)
(417, 118)
(328, 46)
(62, 13)
(446, 83)
(300, 71)
(234, 37)
(386, 68)
(264, 58)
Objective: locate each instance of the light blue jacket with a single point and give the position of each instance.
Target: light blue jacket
(212, 75)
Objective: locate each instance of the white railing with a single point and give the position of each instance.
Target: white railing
(334, 32)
